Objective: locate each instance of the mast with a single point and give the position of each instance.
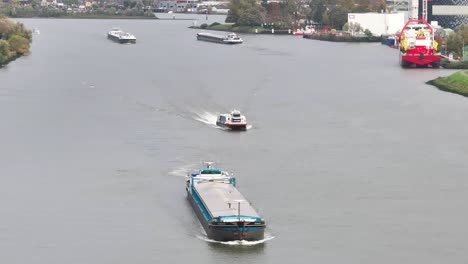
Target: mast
(424, 9)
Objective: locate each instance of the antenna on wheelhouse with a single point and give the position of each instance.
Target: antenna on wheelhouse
(208, 163)
(238, 211)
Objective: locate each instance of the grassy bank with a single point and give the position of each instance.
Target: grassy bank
(343, 38)
(240, 29)
(455, 83)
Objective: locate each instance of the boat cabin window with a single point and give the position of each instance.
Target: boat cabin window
(211, 171)
(222, 119)
(236, 115)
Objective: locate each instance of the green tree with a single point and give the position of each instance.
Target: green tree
(235, 7)
(19, 44)
(317, 10)
(368, 33)
(363, 6)
(251, 17)
(245, 13)
(456, 39)
(4, 51)
(338, 16)
(5, 26)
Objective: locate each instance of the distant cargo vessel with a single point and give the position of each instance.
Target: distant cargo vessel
(417, 45)
(119, 36)
(222, 210)
(231, 38)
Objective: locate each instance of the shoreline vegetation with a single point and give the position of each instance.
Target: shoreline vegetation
(342, 37)
(14, 40)
(241, 29)
(456, 83)
(99, 16)
(130, 11)
(458, 65)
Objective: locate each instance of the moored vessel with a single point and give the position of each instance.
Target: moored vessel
(120, 36)
(302, 32)
(417, 45)
(389, 40)
(234, 120)
(222, 210)
(231, 38)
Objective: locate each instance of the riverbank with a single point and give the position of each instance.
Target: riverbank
(76, 13)
(14, 40)
(455, 83)
(99, 16)
(241, 29)
(342, 38)
(457, 65)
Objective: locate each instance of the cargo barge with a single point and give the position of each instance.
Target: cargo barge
(222, 210)
(231, 38)
(417, 45)
(121, 37)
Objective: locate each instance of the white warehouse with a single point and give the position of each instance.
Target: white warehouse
(379, 23)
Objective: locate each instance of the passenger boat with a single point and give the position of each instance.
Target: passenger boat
(234, 120)
(417, 44)
(119, 36)
(231, 38)
(222, 210)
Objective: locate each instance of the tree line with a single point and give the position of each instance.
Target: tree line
(14, 40)
(285, 13)
(34, 9)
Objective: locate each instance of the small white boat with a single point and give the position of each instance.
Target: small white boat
(234, 120)
(36, 31)
(306, 30)
(119, 36)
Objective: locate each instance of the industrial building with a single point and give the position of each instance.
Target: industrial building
(379, 23)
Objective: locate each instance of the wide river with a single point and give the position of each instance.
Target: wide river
(350, 159)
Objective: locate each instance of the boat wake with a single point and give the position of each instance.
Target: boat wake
(206, 117)
(181, 171)
(237, 242)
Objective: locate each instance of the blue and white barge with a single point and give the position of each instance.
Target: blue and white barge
(222, 210)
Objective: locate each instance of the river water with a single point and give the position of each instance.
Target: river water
(350, 159)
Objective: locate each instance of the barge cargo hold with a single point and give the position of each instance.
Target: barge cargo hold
(222, 210)
(231, 38)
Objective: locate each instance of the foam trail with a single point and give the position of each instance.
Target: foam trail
(238, 242)
(181, 171)
(207, 118)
